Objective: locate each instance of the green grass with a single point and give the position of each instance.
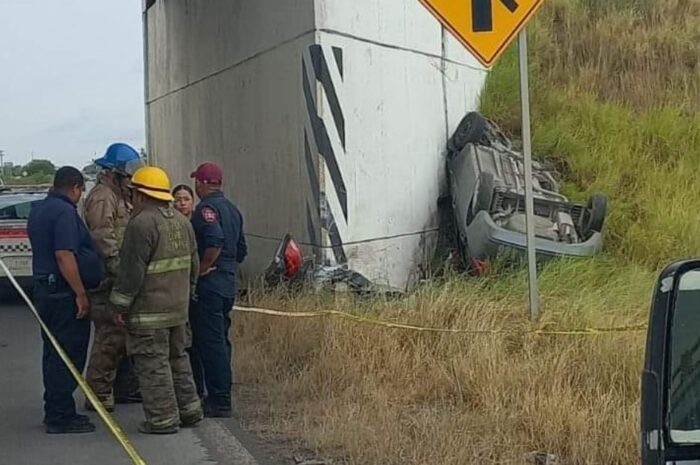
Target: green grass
(647, 160)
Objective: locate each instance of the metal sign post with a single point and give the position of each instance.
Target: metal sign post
(487, 28)
(527, 154)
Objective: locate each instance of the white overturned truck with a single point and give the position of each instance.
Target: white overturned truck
(487, 186)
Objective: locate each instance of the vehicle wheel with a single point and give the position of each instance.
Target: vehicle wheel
(471, 129)
(596, 210)
(484, 194)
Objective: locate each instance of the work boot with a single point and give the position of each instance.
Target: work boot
(192, 420)
(75, 426)
(214, 411)
(78, 418)
(147, 428)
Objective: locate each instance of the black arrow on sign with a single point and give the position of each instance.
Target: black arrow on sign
(482, 13)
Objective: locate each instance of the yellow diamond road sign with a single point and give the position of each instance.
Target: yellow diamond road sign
(485, 27)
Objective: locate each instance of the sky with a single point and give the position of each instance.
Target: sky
(71, 78)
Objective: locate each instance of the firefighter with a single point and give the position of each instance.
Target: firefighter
(106, 212)
(218, 226)
(158, 270)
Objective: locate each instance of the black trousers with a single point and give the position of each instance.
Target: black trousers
(211, 350)
(58, 310)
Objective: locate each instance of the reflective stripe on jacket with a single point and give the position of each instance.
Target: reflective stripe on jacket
(158, 269)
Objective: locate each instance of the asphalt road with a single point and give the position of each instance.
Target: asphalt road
(22, 437)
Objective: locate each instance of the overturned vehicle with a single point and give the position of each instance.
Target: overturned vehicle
(487, 188)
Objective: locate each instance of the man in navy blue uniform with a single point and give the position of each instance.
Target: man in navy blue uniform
(221, 244)
(65, 266)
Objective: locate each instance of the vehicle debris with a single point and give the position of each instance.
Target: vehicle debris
(302, 461)
(289, 268)
(333, 275)
(288, 265)
(541, 458)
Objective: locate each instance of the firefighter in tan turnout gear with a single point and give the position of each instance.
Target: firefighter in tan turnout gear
(158, 270)
(106, 213)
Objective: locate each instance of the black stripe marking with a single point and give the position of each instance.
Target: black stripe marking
(482, 16)
(311, 170)
(337, 243)
(324, 145)
(314, 237)
(323, 75)
(338, 54)
(333, 232)
(312, 214)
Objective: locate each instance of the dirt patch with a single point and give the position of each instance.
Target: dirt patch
(270, 447)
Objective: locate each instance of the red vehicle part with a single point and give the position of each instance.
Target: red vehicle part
(293, 258)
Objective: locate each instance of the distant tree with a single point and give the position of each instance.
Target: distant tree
(39, 168)
(33, 180)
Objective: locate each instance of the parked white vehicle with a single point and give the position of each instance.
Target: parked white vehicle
(15, 249)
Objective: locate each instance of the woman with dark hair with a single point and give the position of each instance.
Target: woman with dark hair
(184, 199)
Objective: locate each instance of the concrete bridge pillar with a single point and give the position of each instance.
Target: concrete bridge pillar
(330, 118)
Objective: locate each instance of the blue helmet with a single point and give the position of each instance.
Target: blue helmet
(119, 157)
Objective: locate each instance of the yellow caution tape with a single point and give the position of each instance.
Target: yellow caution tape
(388, 324)
(112, 425)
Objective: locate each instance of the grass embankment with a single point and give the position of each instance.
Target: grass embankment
(616, 93)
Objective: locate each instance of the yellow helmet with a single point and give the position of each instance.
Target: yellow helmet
(153, 182)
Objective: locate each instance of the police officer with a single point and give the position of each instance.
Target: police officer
(65, 266)
(106, 213)
(158, 269)
(218, 226)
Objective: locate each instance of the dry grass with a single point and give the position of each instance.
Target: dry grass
(616, 94)
(644, 53)
(380, 396)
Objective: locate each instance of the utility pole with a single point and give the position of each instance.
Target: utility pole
(2, 162)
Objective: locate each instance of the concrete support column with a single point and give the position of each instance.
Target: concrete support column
(329, 117)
